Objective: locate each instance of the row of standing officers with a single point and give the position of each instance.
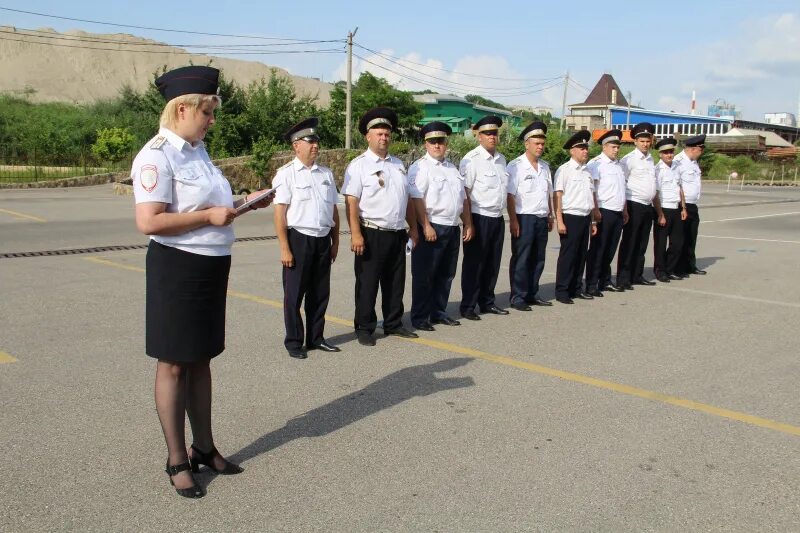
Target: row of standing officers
(391, 211)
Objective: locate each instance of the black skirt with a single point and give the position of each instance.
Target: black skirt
(185, 310)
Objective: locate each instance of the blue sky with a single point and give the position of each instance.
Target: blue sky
(745, 52)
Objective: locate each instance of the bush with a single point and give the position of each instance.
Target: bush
(113, 144)
(262, 152)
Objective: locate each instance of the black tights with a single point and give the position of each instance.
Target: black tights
(184, 388)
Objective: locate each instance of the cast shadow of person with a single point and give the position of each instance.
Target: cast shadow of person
(391, 390)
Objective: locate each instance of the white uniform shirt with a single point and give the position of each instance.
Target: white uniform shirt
(441, 186)
(689, 172)
(577, 185)
(486, 178)
(668, 183)
(310, 194)
(640, 174)
(170, 170)
(609, 181)
(530, 187)
(382, 187)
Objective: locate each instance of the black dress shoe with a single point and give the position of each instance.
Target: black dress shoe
(366, 339)
(425, 326)
(675, 277)
(297, 353)
(642, 281)
(521, 307)
(324, 346)
(401, 332)
(613, 288)
(495, 310)
(470, 315)
(447, 321)
(596, 293)
(564, 300)
(698, 271)
(539, 301)
(663, 278)
(584, 296)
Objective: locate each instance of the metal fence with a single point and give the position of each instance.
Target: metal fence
(18, 165)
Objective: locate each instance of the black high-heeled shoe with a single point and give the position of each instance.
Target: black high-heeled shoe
(192, 492)
(199, 458)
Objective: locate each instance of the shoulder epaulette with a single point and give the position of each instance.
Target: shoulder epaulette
(158, 142)
(286, 165)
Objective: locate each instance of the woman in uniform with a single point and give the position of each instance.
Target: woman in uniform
(185, 204)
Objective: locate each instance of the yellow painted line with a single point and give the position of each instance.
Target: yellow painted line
(114, 264)
(545, 371)
(22, 215)
(5, 358)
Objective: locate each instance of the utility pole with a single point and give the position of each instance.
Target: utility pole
(349, 95)
(564, 102)
(628, 120)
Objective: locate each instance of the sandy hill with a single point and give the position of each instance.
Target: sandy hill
(83, 73)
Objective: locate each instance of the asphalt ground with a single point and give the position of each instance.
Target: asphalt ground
(667, 408)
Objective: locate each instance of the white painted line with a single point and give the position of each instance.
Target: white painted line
(747, 239)
(750, 218)
(730, 296)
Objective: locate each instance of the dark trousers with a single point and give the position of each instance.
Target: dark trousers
(635, 235)
(309, 278)
(665, 259)
(383, 264)
(527, 258)
(481, 263)
(602, 248)
(433, 267)
(688, 262)
(572, 256)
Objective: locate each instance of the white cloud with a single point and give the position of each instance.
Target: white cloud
(496, 80)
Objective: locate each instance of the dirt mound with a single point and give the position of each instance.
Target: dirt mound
(86, 73)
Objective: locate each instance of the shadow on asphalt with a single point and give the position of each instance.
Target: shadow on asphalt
(391, 390)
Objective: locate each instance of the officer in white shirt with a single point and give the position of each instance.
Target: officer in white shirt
(575, 204)
(609, 182)
(307, 224)
(530, 215)
(670, 213)
(437, 191)
(376, 190)
(640, 173)
(686, 166)
(486, 182)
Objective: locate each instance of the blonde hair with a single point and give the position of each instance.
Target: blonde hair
(169, 116)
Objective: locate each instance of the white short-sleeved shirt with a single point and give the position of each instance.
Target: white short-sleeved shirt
(531, 187)
(668, 183)
(640, 174)
(609, 181)
(170, 170)
(577, 185)
(382, 188)
(486, 178)
(441, 186)
(310, 193)
(689, 172)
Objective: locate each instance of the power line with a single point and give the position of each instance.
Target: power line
(26, 32)
(389, 57)
(478, 87)
(440, 87)
(257, 37)
(261, 52)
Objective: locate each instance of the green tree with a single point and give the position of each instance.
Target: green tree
(113, 144)
(262, 152)
(370, 91)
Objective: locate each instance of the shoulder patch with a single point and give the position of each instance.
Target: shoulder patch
(158, 142)
(148, 177)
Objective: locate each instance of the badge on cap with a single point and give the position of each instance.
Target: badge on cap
(148, 177)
